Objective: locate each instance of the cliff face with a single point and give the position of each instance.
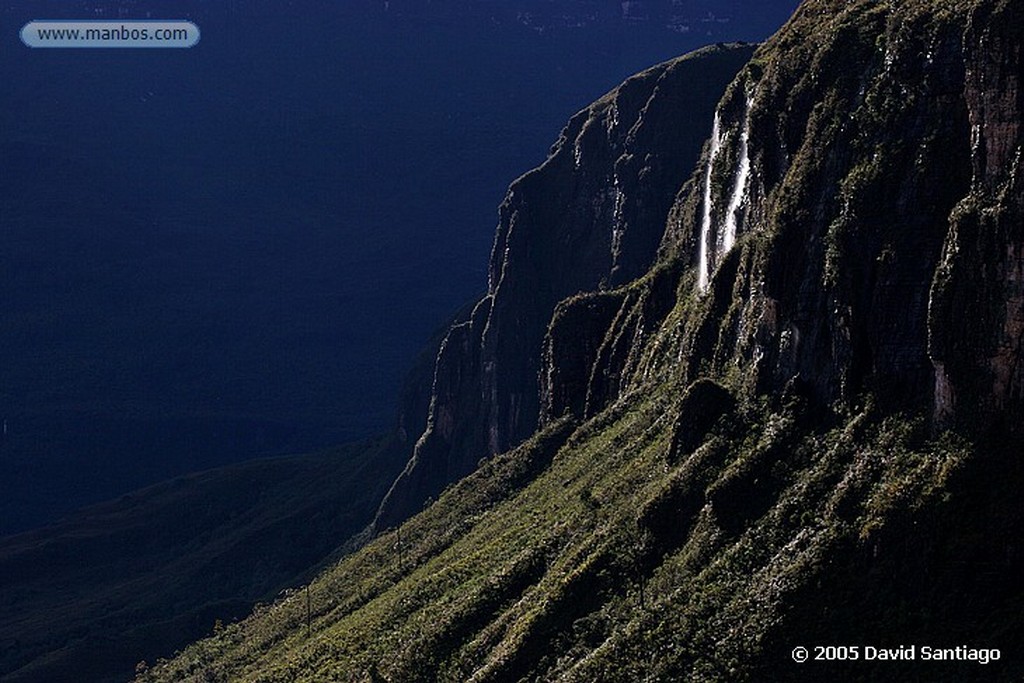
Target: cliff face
(976, 316)
(801, 427)
(855, 223)
(855, 202)
(591, 216)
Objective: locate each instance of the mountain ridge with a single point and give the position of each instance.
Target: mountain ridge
(798, 429)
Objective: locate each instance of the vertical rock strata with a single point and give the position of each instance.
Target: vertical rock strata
(857, 219)
(855, 223)
(591, 216)
(976, 319)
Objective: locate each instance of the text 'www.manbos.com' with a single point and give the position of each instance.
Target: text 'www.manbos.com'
(101, 34)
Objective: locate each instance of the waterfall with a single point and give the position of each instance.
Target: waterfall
(739, 187)
(717, 240)
(705, 226)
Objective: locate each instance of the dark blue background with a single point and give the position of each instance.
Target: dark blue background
(236, 250)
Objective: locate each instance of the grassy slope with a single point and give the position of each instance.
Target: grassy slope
(613, 563)
(131, 579)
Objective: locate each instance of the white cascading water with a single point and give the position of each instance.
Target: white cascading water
(704, 267)
(739, 187)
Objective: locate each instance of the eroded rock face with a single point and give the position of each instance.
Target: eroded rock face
(868, 162)
(587, 364)
(976, 320)
(856, 172)
(576, 338)
(855, 223)
(591, 216)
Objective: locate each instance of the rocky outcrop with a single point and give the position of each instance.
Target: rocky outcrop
(587, 365)
(591, 216)
(576, 337)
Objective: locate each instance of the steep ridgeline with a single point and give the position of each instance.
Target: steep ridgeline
(592, 215)
(800, 428)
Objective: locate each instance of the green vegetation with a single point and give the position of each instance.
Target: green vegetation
(762, 469)
(611, 563)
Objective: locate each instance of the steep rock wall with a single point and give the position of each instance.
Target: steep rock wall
(976, 322)
(856, 218)
(591, 216)
(858, 203)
